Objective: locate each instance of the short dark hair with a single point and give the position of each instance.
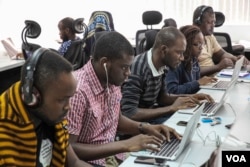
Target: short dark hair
(169, 22)
(167, 36)
(49, 66)
(200, 11)
(112, 45)
(67, 22)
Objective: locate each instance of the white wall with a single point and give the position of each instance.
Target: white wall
(127, 16)
(237, 32)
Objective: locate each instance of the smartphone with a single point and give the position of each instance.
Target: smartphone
(145, 160)
(184, 123)
(151, 161)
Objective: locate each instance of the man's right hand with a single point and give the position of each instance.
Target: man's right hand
(184, 102)
(141, 142)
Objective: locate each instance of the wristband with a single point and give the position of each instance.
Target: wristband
(140, 127)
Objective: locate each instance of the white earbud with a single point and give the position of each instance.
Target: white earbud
(105, 66)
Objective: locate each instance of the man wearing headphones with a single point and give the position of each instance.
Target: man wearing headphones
(67, 34)
(213, 58)
(33, 129)
(95, 117)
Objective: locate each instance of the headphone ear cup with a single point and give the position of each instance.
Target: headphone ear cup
(197, 21)
(34, 101)
(35, 98)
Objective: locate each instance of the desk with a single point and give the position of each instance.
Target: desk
(197, 152)
(6, 63)
(9, 70)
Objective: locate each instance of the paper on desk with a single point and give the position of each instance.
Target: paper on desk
(229, 72)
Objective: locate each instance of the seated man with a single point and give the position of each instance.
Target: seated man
(32, 126)
(144, 93)
(67, 34)
(213, 57)
(95, 117)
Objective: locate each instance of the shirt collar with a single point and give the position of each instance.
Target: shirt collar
(155, 72)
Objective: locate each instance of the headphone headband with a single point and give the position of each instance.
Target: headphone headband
(202, 10)
(30, 68)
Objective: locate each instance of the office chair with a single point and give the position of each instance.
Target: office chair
(220, 19)
(75, 53)
(148, 41)
(149, 18)
(224, 38)
(31, 30)
(98, 21)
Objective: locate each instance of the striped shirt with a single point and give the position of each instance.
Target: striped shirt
(94, 113)
(142, 88)
(18, 143)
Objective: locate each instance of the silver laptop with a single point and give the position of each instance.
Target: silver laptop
(210, 109)
(12, 51)
(171, 150)
(223, 85)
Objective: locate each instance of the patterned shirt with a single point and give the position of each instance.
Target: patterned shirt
(18, 141)
(65, 45)
(211, 47)
(94, 113)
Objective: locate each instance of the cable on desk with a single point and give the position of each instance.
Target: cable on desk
(232, 109)
(229, 125)
(217, 139)
(242, 81)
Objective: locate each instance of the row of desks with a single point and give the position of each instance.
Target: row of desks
(198, 151)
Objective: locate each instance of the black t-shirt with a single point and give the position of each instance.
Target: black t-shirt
(45, 136)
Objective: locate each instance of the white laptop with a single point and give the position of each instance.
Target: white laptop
(222, 84)
(210, 109)
(171, 150)
(11, 49)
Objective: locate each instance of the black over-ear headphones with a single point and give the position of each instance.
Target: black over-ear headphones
(202, 10)
(27, 88)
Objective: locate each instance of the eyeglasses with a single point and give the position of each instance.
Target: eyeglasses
(199, 45)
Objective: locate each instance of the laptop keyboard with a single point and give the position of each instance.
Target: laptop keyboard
(209, 107)
(221, 84)
(168, 148)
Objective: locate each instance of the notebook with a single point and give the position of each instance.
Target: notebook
(223, 85)
(210, 109)
(171, 150)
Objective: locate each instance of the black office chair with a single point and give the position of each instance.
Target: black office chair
(75, 53)
(148, 41)
(224, 38)
(31, 30)
(149, 18)
(220, 19)
(225, 41)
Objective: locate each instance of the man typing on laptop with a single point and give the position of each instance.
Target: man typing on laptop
(213, 58)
